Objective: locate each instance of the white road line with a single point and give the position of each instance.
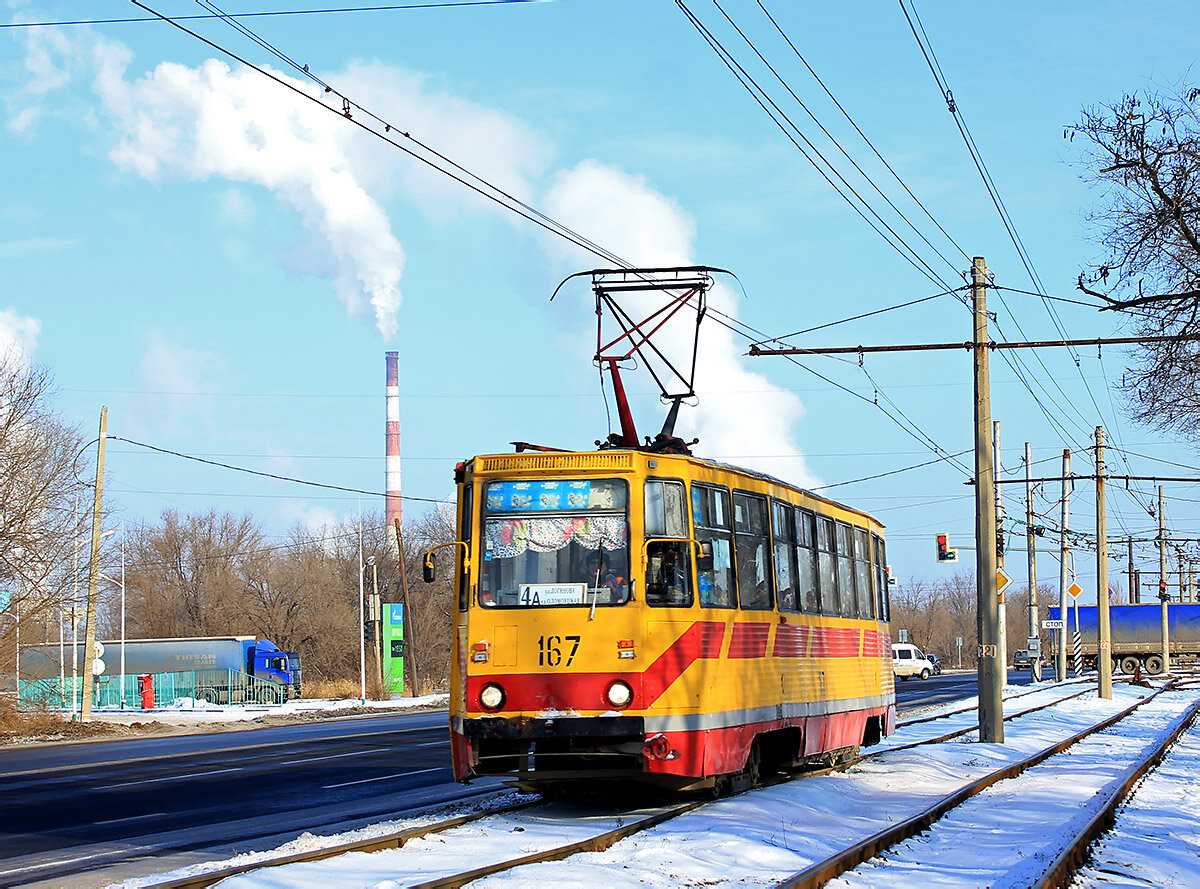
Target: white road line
(132, 818)
(171, 778)
(335, 755)
(382, 778)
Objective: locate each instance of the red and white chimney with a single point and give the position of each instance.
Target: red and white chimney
(392, 436)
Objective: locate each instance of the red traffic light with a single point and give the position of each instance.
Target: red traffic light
(944, 553)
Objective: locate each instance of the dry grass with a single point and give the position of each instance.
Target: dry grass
(32, 725)
(338, 689)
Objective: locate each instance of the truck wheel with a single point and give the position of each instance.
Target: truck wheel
(1129, 664)
(207, 695)
(1154, 664)
(265, 695)
(925, 673)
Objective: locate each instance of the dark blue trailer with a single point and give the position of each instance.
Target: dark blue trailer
(1137, 635)
(211, 658)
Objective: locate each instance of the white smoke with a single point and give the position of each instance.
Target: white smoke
(740, 415)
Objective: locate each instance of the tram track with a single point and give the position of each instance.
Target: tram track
(886, 850)
(514, 818)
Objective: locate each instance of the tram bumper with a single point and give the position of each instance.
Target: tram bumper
(541, 750)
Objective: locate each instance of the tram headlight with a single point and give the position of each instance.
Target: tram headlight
(491, 696)
(618, 694)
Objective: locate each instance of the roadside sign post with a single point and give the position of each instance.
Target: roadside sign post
(958, 640)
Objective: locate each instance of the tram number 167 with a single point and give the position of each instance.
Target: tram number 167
(550, 650)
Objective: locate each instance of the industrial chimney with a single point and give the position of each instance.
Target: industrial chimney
(392, 436)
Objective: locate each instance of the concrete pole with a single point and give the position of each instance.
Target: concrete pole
(1034, 631)
(1104, 657)
(991, 708)
(1064, 554)
(1163, 595)
(89, 636)
(1182, 585)
(1134, 593)
(1001, 609)
(362, 629)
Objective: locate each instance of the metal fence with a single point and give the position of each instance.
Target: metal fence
(202, 686)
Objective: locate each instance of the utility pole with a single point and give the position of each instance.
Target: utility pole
(1135, 595)
(1104, 657)
(991, 708)
(89, 636)
(1182, 587)
(1035, 659)
(1162, 581)
(1064, 551)
(1001, 609)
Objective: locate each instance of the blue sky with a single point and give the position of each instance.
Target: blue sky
(223, 264)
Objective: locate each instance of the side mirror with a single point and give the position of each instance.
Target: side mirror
(704, 555)
(428, 574)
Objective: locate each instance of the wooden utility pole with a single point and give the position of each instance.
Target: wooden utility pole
(89, 636)
(991, 708)
(1104, 656)
(1035, 660)
(1163, 595)
(1064, 553)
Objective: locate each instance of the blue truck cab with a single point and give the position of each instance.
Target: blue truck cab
(265, 660)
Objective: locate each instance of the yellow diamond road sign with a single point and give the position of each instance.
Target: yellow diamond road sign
(1002, 580)
(1074, 589)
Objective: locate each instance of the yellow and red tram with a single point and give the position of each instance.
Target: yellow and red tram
(627, 614)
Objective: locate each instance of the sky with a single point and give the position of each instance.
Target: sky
(1003, 837)
(222, 262)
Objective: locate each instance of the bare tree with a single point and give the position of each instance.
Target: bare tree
(1143, 153)
(38, 487)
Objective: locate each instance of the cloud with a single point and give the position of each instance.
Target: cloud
(37, 245)
(740, 415)
(18, 335)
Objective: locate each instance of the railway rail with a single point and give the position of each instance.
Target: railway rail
(549, 820)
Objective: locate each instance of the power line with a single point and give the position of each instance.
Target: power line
(283, 12)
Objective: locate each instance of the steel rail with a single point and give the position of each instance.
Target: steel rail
(1073, 857)
(594, 844)
(377, 844)
(821, 872)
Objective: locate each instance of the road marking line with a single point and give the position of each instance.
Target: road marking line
(171, 778)
(382, 778)
(335, 755)
(131, 818)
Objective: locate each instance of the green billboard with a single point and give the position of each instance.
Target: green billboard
(393, 648)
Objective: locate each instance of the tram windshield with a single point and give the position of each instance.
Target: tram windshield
(559, 542)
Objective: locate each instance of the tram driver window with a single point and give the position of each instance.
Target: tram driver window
(668, 574)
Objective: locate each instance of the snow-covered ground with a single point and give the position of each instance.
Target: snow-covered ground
(186, 711)
(763, 836)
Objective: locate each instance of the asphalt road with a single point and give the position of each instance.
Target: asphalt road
(153, 804)
(950, 685)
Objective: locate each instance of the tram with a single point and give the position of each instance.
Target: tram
(637, 613)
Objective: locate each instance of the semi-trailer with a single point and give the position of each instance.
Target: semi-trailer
(218, 662)
(1136, 632)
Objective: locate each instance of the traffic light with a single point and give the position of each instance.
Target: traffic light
(1162, 591)
(944, 553)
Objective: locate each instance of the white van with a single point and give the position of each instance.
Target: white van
(908, 660)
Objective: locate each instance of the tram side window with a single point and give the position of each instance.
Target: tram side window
(845, 570)
(751, 549)
(826, 572)
(710, 514)
(668, 563)
(806, 561)
(881, 589)
(862, 573)
(464, 533)
(783, 526)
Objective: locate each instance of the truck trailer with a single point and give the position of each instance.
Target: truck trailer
(225, 669)
(1137, 635)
